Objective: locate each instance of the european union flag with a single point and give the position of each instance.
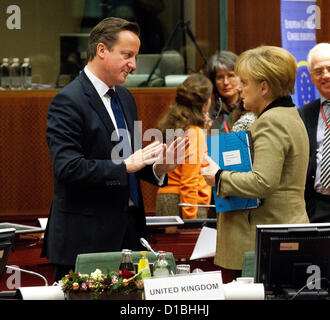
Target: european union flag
(305, 90)
(298, 23)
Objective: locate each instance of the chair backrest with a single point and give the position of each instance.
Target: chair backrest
(110, 261)
(248, 269)
(172, 62)
(145, 62)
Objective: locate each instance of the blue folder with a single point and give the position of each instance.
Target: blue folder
(232, 152)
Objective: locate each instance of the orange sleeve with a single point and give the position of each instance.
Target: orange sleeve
(190, 173)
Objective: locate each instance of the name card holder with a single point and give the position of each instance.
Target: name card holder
(194, 286)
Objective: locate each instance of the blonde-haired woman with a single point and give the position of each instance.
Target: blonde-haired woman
(187, 115)
(281, 151)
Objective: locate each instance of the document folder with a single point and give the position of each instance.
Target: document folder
(232, 152)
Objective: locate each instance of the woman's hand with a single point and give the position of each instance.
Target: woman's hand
(209, 170)
(143, 157)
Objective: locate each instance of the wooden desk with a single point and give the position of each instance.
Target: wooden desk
(179, 241)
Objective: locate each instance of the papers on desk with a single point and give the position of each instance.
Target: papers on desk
(43, 222)
(206, 244)
(233, 152)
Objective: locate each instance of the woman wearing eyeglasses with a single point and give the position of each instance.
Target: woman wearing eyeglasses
(227, 111)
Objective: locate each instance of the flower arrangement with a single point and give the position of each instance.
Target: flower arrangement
(98, 283)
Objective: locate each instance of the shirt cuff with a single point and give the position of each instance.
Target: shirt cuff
(159, 179)
(218, 181)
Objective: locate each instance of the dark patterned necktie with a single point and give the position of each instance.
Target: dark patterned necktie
(121, 125)
(325, 163)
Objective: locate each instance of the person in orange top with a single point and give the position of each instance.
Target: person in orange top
(188, 115)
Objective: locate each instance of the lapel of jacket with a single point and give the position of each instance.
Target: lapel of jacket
(314, 117)
(96, 103)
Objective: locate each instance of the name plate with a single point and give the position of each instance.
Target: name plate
(199, 286)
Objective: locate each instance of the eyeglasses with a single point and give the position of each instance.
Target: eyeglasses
(229, 76)
(319, 71)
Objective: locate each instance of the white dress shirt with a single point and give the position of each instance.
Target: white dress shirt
(102, 90)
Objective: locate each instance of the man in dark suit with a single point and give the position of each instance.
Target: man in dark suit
(316, 116)
(97, 204)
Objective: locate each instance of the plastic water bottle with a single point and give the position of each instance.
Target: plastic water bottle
(15, 74)
(4, 73)
(161, 266)
(26, 73)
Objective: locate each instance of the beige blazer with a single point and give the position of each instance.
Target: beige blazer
(281, 152)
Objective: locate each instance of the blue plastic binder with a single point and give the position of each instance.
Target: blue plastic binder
(232, 152)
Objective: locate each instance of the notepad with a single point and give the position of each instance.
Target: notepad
(232, 152)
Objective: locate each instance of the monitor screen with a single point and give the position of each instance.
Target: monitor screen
(6, 242)
(293, 257)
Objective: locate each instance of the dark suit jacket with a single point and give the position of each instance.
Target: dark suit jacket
(310, 114)
(89, 212)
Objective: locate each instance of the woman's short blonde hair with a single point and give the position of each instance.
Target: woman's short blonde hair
(275, 65)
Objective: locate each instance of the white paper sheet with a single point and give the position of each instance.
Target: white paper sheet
(43, 222)
(206, 244)
(231, 158)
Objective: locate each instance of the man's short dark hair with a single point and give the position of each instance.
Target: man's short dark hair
(107, 32)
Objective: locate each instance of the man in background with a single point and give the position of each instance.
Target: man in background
(316, 116)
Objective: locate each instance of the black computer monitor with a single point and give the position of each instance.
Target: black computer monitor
(293, 260)
(6, 243)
